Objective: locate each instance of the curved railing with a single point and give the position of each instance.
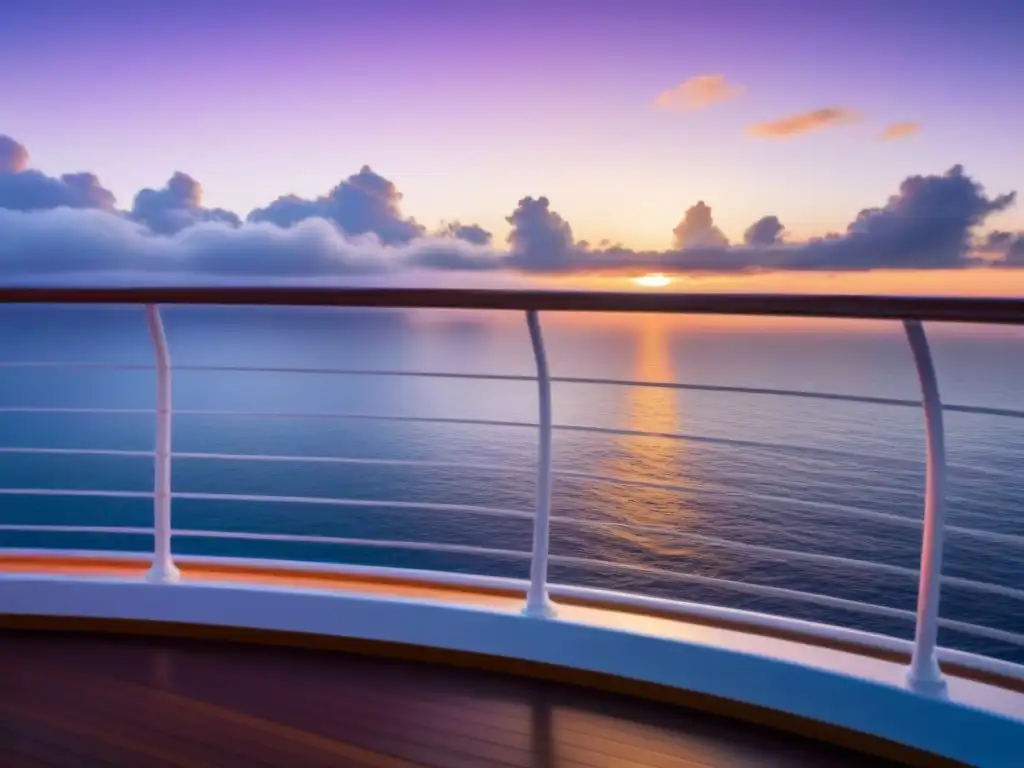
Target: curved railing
(924, 674)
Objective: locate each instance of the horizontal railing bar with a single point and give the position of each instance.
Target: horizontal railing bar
(787, 555)
(372, 503)
(830, 632)
(887, 517)
(941, 309)
(455, 421)
(579, 428)
(719, 441)
(352, 460)
(981, 410)
(461, 421)
(260, 498)
(76, 451)
(41, 528)
(679, 608)
(783, 555)
(375, 543)
(61, 409)
(1013, 638)
(77, 364)
(528, 469)
(783, 593)
(756, 589)
(994, 536)
(282, 537)
(1011, 539)
(793, 393)
(761, 590)
(75, 492)
(739, 390)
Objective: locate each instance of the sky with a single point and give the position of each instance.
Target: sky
(851, 146)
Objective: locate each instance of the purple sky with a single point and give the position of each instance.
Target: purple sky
(469, 106)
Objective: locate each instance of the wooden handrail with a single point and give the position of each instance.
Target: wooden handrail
(936, 309)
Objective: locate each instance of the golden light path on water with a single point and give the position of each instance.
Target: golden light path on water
(650, 410)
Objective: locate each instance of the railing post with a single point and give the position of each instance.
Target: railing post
(924, 674)
(163, 569)
(537, 601)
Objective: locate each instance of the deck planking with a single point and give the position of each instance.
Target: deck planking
(92, 700)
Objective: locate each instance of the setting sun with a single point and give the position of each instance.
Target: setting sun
(653, 280)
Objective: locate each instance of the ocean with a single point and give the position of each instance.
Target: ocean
(818, 476)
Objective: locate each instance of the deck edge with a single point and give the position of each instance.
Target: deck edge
(862, 714)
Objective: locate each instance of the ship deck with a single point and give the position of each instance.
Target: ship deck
(82, 700)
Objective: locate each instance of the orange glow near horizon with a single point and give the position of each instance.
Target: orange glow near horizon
(653, 280)
(1007, 283)
(962, 282)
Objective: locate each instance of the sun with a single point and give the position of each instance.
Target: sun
(653, 280)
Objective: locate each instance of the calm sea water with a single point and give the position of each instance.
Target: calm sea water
(793, 474)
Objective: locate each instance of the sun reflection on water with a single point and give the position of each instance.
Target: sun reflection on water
(647, 409)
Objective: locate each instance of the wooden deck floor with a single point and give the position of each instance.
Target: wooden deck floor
(82, 700)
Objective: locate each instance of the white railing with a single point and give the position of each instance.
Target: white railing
(163, 569)
(924, 674)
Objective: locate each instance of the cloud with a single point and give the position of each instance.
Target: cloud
(13, 156)
(1007, 247)
(765, 231)
(540, 239)
(31, 190)
(805, 122)
(698, 93)
(68, 228)
(927, 224)
(23, 189)
(364, 203)
(177, 206)
(897, 131)
(66, 240)
(471, 233)
(698, 230)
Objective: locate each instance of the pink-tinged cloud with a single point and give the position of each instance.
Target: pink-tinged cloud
(805, 122)
(68, 228)
(13, 156)
(699, 92)
(902, 130)
(698, 230)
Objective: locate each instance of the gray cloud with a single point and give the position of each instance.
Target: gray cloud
(698, 230)
(1008, 247)
(74, 241)
(364, 203)
(927, 224)
(69, 226)
(22, 189)
(471, 233)
(34, 191)
(764, 231)
(177, 206)
(541, 240)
